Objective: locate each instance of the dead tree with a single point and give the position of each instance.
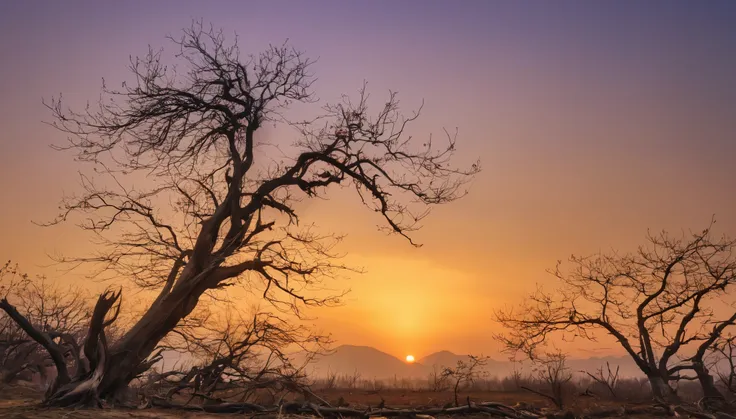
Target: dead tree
(437, 379)
(726, 349)
(16, 356)
(607, 378)
(654, 303)
(713, 399)
(352, 380)
(59, 313)
(330, 380)
(241, 354)
(553, 376)
(464, 373)
(219, 205)
(16, 350)
(516, 376)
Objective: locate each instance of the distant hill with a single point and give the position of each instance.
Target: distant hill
(367, 361)
(371, 363)
(442, 358)
(627, 366)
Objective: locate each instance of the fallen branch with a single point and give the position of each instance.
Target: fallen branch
(43, 339)
(624, 411)
(553, 399)
(492, 409)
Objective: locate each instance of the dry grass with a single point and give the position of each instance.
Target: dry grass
(424, 398)
(22, 403)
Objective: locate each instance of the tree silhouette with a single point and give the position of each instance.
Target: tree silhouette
(657, 303)
(238, 355)
(57, 316)
(465, 372)
(218, 206)
(553, 376)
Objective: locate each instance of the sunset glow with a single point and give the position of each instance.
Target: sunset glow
(593, 125)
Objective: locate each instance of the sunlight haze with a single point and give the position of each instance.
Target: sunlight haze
(590, 130)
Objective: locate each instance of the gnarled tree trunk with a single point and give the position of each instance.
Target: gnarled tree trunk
(713, 399)
(84, 389)
(661, 389)
(130, 356)
(54, 350)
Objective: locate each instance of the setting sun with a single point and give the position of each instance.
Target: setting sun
(466, 216)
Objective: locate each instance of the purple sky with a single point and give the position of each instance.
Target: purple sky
(593, 120)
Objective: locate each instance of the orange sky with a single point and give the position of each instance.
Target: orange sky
(592, 125)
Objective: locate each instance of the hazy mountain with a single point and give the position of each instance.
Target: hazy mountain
(443, 359)
(367, 361)
(627, 366)
(372, 363)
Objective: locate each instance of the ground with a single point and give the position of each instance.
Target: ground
(21, 403)
(423, 398)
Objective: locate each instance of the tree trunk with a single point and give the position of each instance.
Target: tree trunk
(457, 385)
(43, 339)
(661, 389)
(116, 367)
(86, 388)
(712, 397)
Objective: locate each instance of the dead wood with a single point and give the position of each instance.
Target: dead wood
(232, 215)
(491, 409)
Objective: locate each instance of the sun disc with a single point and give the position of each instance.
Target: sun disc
(410, 358)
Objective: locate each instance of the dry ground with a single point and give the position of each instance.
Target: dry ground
(423, 398)
(22, 403)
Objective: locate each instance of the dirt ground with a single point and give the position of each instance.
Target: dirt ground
(421, 398)
(22, 403)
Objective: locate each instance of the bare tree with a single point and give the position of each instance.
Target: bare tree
(553, 376)
(16, 351)
(437, 379)
(218, 208)
(375, 384)
(725, 349)
(351, 380)
(330, 380)
(654, 303)
(59, 313)
(713, 399)
(240, 356)
(606, 378)
(464, 373)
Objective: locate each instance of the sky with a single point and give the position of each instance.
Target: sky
(593, 120)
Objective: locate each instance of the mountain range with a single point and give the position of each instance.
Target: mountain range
(370, 363)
